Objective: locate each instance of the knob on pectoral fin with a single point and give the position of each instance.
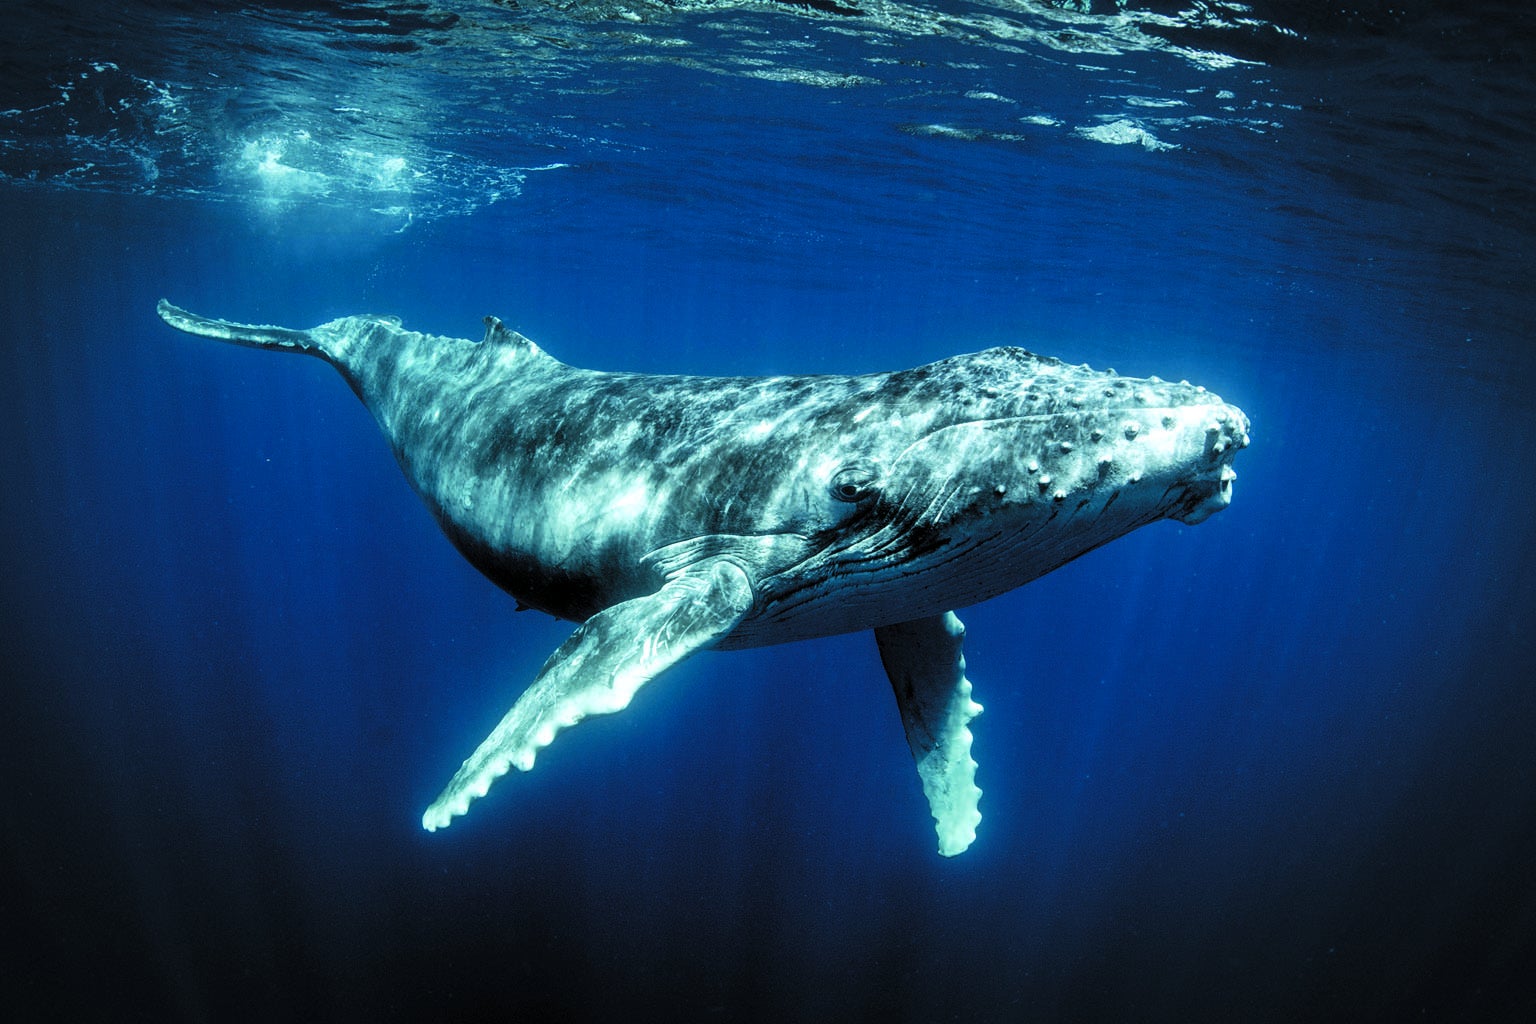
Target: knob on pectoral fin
(926, 665)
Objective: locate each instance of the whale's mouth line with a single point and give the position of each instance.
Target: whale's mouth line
(1205, 495)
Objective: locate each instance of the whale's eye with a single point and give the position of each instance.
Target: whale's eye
(855, 481)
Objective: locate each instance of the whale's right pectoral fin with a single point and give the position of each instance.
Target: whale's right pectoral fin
(598, 670)
(926, 665)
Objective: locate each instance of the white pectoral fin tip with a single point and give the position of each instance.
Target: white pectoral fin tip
(490, 761)
(474, 780)
(440, 815)
(949, 782)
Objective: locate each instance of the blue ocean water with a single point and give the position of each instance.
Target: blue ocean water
(1275, 767)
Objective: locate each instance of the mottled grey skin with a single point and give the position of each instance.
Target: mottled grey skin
(673, 513)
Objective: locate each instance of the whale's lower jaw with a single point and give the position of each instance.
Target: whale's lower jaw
(970, 570)
(1206, 497)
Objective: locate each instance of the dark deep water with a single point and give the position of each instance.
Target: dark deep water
(1276, 767)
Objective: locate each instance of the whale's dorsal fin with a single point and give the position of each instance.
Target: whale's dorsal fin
(498, 333)
(498, 336)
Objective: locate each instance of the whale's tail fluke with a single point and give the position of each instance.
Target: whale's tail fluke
(317, 341)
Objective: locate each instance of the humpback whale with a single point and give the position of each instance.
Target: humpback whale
(670, 514)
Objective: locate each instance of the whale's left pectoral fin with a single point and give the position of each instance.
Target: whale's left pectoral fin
(926, 665)
(598, 670)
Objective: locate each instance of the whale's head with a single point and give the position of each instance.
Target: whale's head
(1006, 465)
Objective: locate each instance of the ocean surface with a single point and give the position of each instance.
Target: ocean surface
(1277, 767)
